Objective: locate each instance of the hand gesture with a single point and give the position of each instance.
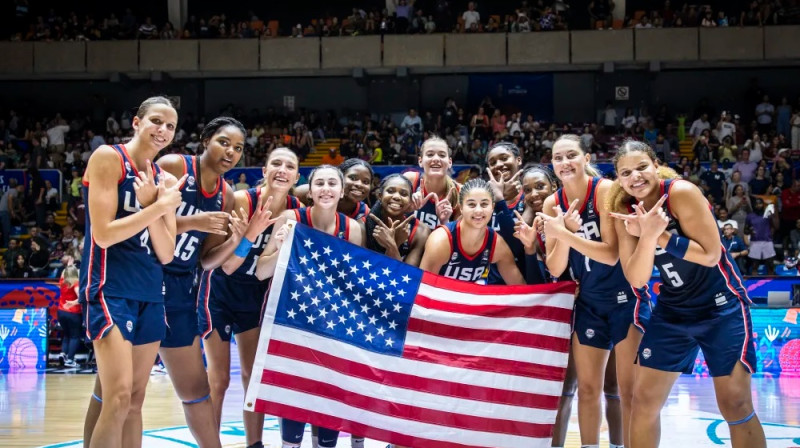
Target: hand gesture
(261, 219)
(212, 222)
(169, 197)
(401, 230)
(384, 234)
(443, 207)
(417, 200)
(500, 186)
(144, 185)
(238, 224)
(652, 222)
(555, 225)
(524, 233)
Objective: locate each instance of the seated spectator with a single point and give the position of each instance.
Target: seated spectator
(713, 182)
(20, 268)
(39, 259)
(51, 196)
(10, 203)
(50, 229)
(723, 218)
(242, 184)
(759, 184)
(727, 150)
(738, 205)
(333, 158)
(735, 246)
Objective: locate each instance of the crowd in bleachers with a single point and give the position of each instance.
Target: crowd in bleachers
(397, 17)
(752, 156)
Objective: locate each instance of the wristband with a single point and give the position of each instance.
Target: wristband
(243, 248)
(677, 246)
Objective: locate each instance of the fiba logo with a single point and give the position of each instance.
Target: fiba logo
(646, 353)
(589, 333)
(129, 326)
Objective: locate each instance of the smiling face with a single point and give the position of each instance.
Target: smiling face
(156, 128)
(325, 187)
(435, 158)
(395, 196)
(225, 148)
(357, 183)
(281, 170)
(569, 161)
(637, 174)
(502, 162)
(476, 208)
(537, 187)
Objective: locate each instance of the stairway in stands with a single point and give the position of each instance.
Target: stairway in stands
(321, 148)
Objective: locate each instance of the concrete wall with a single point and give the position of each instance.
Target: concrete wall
(781, 42)
(59, 57)
(288, 54)
(112, 56)
(416, 50)
(229, 55)
(538, 48)
(602, 46)
(351, 52)
(17, 57)
(169, 55)
(666, 44)
(469, 50)
(732, 44)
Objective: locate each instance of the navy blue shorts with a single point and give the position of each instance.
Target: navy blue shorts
(139, 322)
(180, 302)
(724, 335)
(292, 432)
(228, 307)
(181, 329)
(606, 326)
(180, 291)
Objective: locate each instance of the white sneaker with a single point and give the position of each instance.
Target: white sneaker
(70, 363)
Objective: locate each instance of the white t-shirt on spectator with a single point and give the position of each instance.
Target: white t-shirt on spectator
(587, 140)
(698, 127)
(610, 117)
(111, 125)
(470, 17)
(726, 129)
(733, 224)
(513, 126)
(755, 153)
(629, 122)
(55, 135)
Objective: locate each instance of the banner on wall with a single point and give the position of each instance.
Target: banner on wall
(529, 93)
(23, 340)
(54, 176)
(16, 294)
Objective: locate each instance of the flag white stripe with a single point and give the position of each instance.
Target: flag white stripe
(537, 327)
(385, 422)
(410, 397)
(557, 300)
(489, 350)
(419, 368)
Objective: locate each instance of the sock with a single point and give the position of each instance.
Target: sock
(315, 441)
(356, 442)
(590, 446)
(256, 445)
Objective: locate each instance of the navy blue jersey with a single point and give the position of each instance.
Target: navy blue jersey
(598, 281)
(503, 222)
(361, 212)
(303, 216)
(405, 248)
(128, 269)
(427, 213)
(187, 247)
(469, 268)
(246, 272)
(689, 288)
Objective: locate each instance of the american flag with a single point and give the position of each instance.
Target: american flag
(357, 341)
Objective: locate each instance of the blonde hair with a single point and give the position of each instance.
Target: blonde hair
(448, 180)
(589, 169)
(71, 275)
(618, 199)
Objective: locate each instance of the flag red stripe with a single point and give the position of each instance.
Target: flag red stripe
(438, 281)
(411, 382)
(550, 313)
(404, 411)
(505, 366)
(516, 338)
(329, 421)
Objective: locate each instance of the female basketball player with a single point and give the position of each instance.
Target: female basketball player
(232, 298)
(434, 191)
(389, 231)
(463, 249)
(325, 189)
(358, 176)
(702, 303)
(608, 313)
(129, 236)
(205, 207)
(539, 182)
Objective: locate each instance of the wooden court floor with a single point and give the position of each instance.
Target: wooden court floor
(48, 410)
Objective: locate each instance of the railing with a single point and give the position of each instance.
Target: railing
(564, 50)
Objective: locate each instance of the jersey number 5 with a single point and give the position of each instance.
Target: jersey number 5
(673, 276)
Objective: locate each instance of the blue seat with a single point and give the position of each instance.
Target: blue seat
(781, 270)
